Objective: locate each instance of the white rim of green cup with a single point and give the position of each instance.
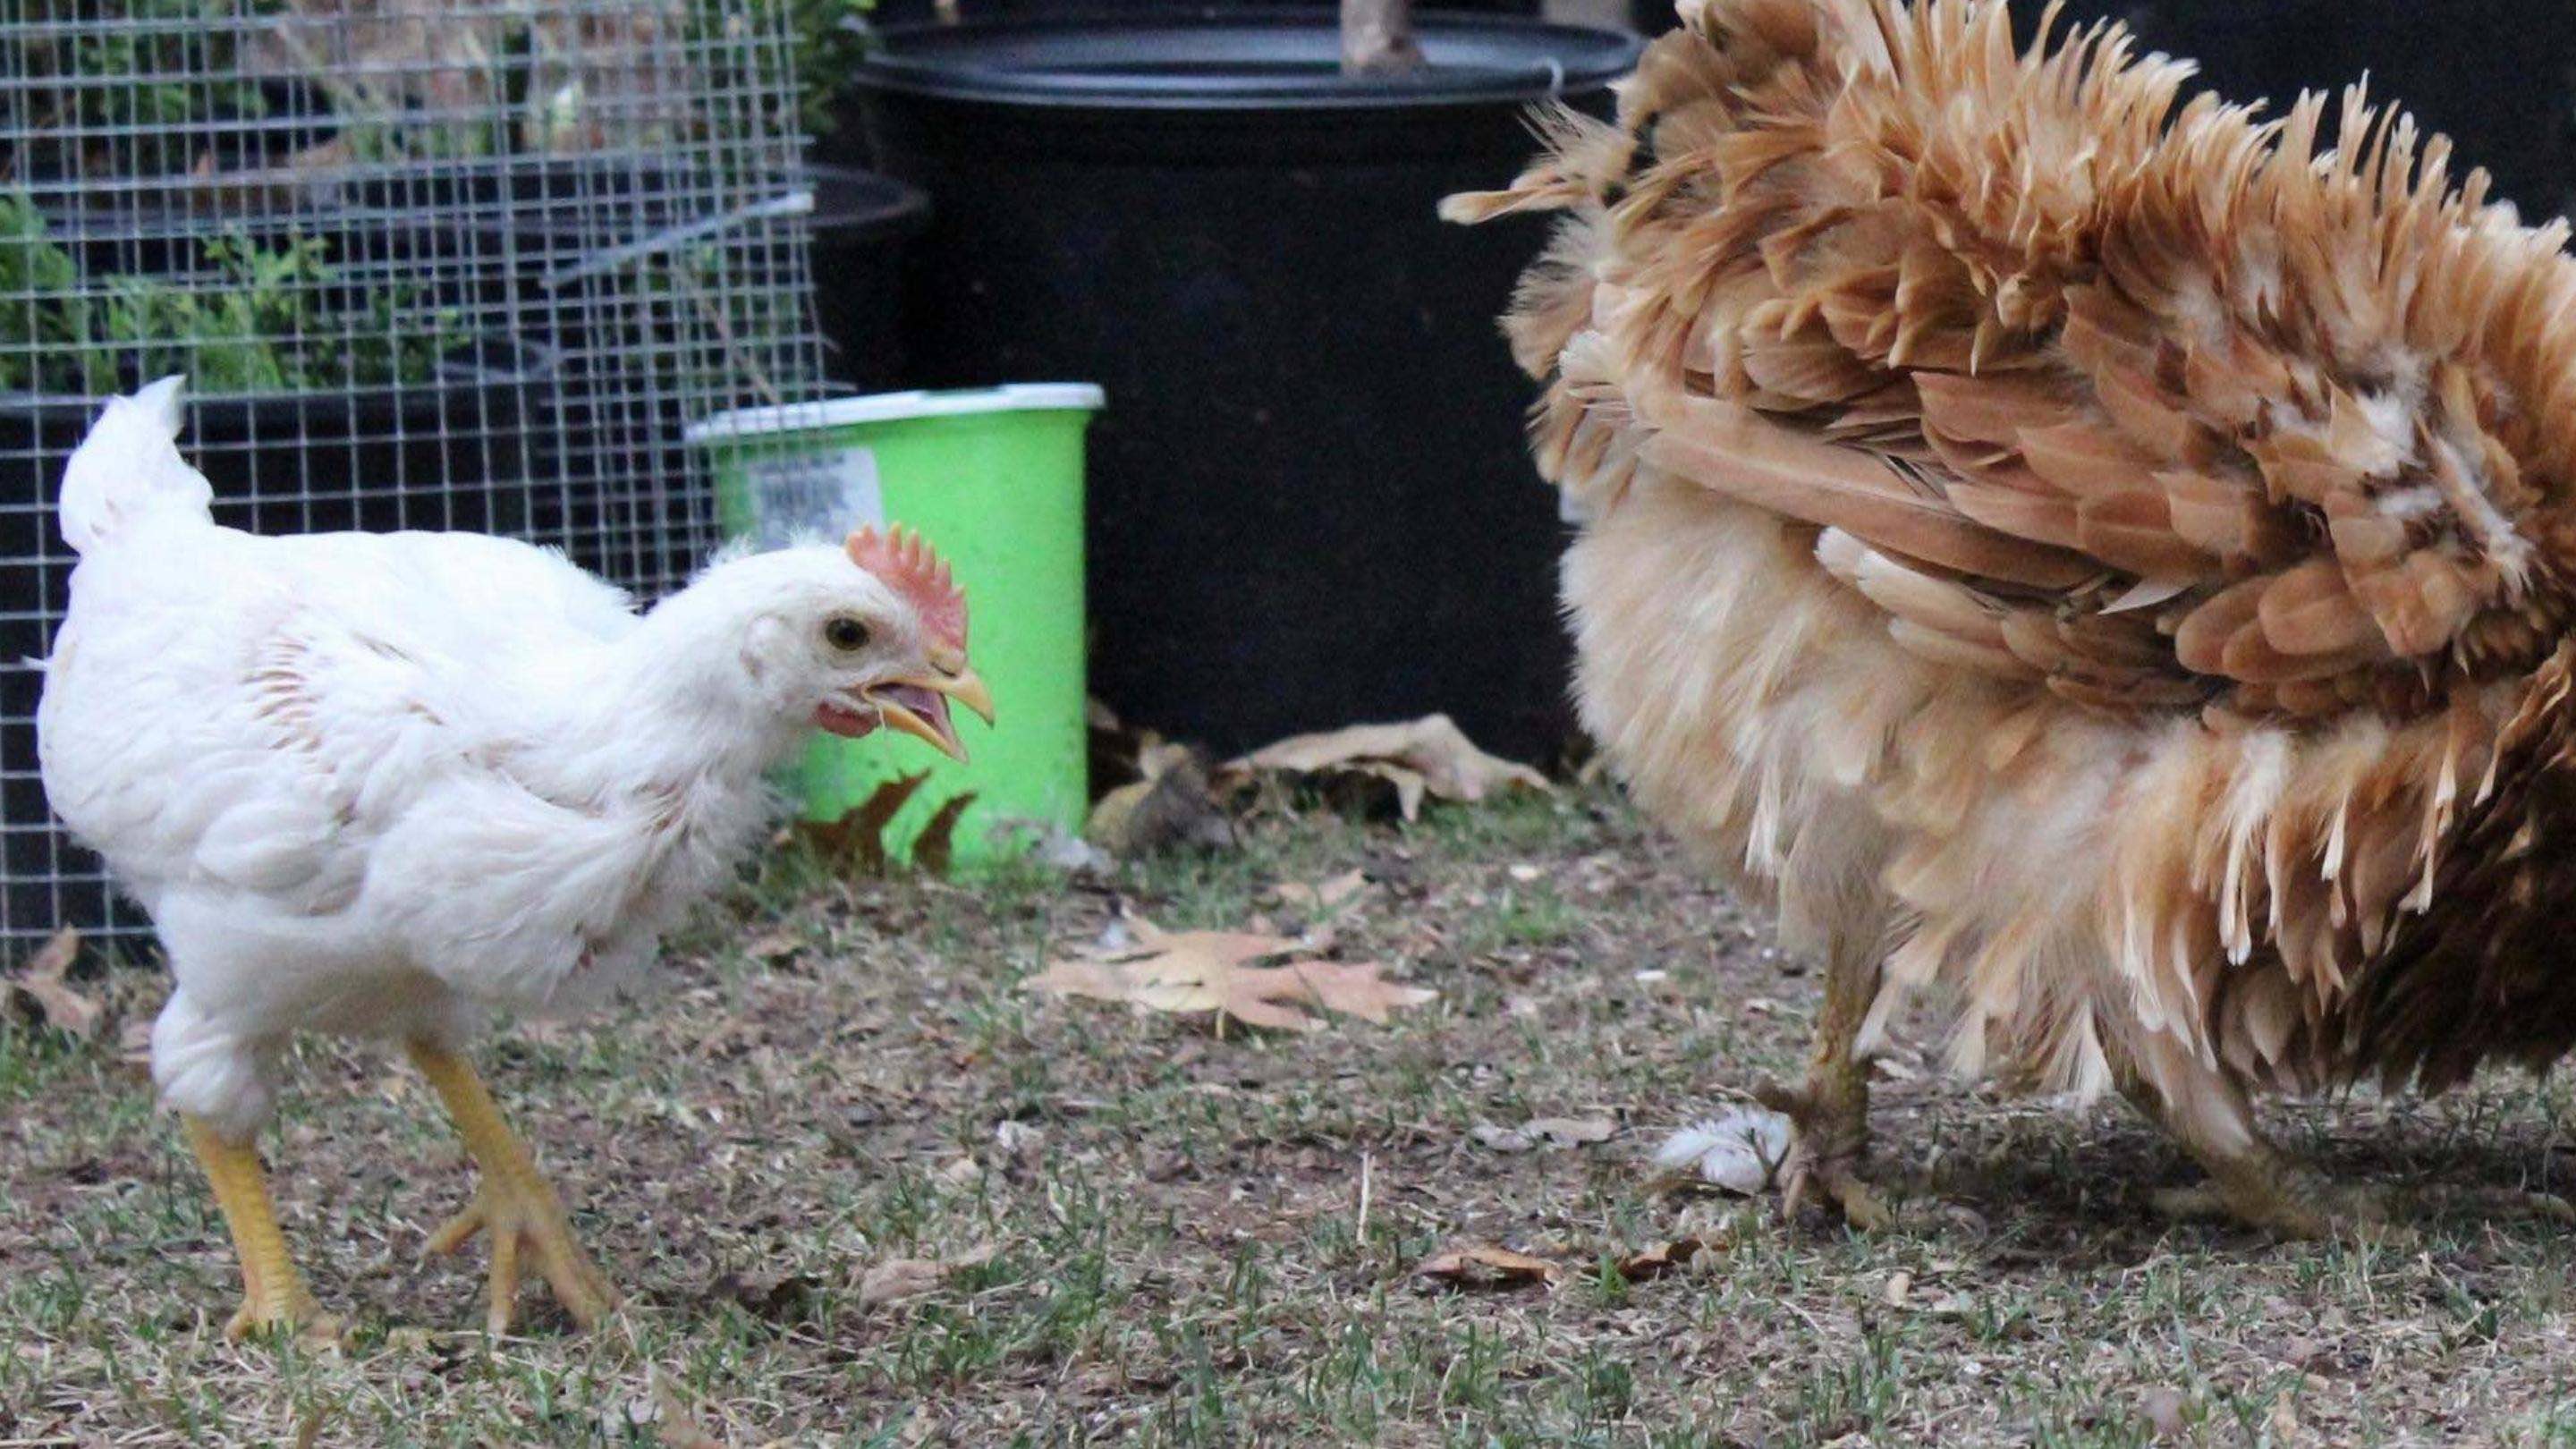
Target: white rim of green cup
(1016, 397)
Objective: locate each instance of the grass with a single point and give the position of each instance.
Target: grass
(1163, 1225)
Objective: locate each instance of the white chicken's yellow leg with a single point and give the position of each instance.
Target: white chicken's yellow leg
(273, 1293)
(512, 1203)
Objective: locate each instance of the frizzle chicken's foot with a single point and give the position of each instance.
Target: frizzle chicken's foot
(1830, 1135)
(2295, 1203)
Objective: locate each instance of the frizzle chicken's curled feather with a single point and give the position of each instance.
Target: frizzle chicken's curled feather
(2115, 552)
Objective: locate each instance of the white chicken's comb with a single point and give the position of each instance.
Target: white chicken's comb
(906, 563)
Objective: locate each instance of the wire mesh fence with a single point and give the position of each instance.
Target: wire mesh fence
(439, 264)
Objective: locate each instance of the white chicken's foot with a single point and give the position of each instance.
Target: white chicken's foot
(273, 1293)
(513, 1205)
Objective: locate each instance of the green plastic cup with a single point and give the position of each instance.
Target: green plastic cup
(993, 478)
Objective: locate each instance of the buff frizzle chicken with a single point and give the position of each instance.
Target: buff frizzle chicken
(2101, 560)
(394, 785)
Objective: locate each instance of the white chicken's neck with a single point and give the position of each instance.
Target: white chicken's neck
(671, 704)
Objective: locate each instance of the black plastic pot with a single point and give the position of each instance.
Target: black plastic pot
(915, 12)
(374, 458)
(1311, 501)
(861, 224)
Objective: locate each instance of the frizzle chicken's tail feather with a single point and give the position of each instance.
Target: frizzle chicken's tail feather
(129, 467)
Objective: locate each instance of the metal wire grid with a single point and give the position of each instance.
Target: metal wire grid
(429, 264)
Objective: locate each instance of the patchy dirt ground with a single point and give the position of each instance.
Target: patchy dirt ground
(867, 1191)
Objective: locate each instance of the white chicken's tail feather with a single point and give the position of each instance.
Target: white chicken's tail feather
(129, 467)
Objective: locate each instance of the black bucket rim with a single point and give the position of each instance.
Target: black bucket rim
(855, 204)
(1131, 62)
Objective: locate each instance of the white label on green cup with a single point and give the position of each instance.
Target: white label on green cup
(812, 497)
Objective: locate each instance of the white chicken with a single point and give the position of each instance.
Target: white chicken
(392, 785)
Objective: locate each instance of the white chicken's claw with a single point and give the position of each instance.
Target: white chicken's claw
(274, 1297)
(526, 1218)
(513, 1203)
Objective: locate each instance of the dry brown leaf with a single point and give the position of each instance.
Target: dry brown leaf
(856, 841)
(856, 844)
(1486, 1266)
(897, 1279)
(1571, 1131)
(774, 1297)
(47, 997)
(935, 847)
(674, 1425)
(1552, 1131)
(1323, 895)
(773, 945)
(1193, 971)
(1426, 757)
(1661, 1259)
(1168, 805)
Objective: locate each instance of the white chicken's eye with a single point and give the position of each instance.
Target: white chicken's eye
(845, 633)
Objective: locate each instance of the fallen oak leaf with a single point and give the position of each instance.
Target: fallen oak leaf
(856, 841)
(935, 848)
(775, 945)
(1428, 757)
(48, 997)
(1486, 1266)
(1170, 805)
(1323, 895)
(777, 1298)
(1185, 972)
(898, 1279)
(1552, 1131)
(1354, 988)
(1661, 1259)
(1571, 1131)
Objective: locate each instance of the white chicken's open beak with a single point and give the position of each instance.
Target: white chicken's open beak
(918, 706)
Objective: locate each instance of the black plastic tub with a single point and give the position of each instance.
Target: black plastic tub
(1311, 501)
(558, 218)
(447, 454)
(909, 12)
(861, 225)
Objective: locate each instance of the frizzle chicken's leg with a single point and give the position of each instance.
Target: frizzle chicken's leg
(513, 1203)
(1830, 1110)
(2250, 1180)
(273, 1293)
